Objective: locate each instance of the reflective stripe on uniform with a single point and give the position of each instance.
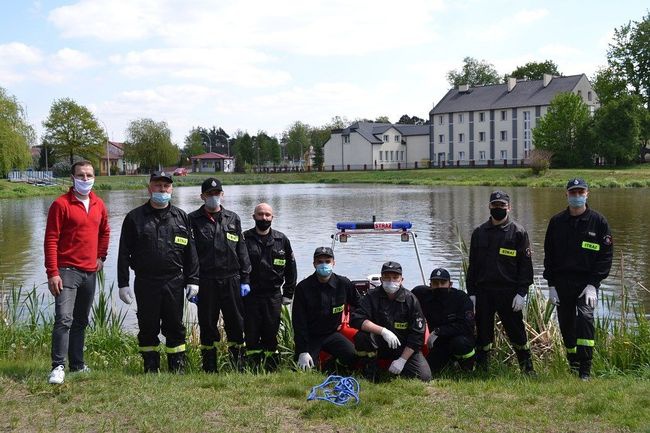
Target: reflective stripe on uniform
(585, 342)
(177, 349)
(571, 350)
(467, 355)
(147, 348)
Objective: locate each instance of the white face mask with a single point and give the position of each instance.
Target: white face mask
(83, 187)
(390, 287)
(213, 201)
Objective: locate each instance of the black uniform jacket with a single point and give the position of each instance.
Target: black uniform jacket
(401, 315)
(157, 244)
(220, 245)
(499, 258)
(577, 250)
(449, 312)
(317, 307)
(272, 263)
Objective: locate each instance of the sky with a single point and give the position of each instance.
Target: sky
(256, 65)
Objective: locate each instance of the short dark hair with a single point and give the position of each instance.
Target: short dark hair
(81, 163)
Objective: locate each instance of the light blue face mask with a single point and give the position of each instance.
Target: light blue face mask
(577, 200)
(324, 269)
(213, 201)
(161, 198)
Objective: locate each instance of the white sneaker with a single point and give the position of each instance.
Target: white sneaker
(57, 375)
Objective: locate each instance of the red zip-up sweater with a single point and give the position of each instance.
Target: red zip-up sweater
(73, 237)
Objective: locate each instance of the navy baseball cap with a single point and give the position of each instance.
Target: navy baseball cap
(576, 183)
(161, 175)
(500, 196)
(210, 184)
(323, 251)
(391, 267)
(440, 274)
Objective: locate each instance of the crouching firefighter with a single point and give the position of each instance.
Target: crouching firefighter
(157, 243)
(450, 318)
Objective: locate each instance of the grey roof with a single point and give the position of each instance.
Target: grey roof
(372, 131)
(524, 94)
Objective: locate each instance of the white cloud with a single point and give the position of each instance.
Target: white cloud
(501, 30)
(15, 53)
(68, 58)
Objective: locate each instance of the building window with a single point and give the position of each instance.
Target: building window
(504, 115)
(461, 138)
(381, 155)
(440, 120)
(481, 136)
(481, 117)
(391, 156)
(441, 138)
(589, 95)
(481, 155)
(402, 155)
(580, 93)
(386, 138)
(397, 139)
(461, 117)
(504, 154)
(461, 156)
(504, 135)
(527, 131)
(592, 109)
(346, 139)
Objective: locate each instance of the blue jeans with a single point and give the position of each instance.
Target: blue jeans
(71, 309)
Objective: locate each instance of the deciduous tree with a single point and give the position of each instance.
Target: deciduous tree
(149, 144)
(71, 129)
(16, 135)
(474, 73)
(535, 70)
(617, 129)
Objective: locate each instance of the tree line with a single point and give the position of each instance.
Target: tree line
(615, 133)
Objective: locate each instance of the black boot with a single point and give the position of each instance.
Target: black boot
(151, 361)
(176, 362)
(467, 364)
(369, 368)
(574, 363)
(237, 357)
(482, 359)
(525, 362)
(209, 360)
(585, 369)
(271, 361)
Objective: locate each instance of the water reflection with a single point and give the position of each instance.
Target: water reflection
(308, 215)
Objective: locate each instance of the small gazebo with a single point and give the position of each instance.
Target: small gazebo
(212, 162)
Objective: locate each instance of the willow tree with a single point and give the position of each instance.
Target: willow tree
(16, 135)
(149, 144)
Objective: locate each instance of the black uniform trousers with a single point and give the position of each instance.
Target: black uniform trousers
(416, 366)
(262, 321)
(448, 349)
(220, 295)
(160, 302)
(576, 323)
(499, 301)
(341, 349)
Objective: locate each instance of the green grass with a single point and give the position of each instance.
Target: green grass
(637, 176)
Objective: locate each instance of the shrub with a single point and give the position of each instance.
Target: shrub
(540, 161)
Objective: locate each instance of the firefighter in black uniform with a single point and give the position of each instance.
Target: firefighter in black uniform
(391, 326)
(224, 269)
(577, 257)
(499, 275)
(318, 306)
(450, 317)
(273, 265)
(157, 243)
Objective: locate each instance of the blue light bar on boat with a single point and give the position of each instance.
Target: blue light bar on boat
(377, 225)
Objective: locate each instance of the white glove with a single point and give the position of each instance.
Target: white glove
(397, 366)
(590, 295)
(126, 294)
(305, 361)
(391, 339)
(553, 298)
(473, 299)
(286, 301)
(192, 290)
(432, 339)
(518, 303)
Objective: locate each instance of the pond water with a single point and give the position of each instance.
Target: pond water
(308, 215)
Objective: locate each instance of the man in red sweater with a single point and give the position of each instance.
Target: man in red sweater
(76, 243)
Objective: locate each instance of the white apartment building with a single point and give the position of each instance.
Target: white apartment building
(492, 125)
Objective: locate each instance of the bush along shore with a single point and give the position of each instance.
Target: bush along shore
(116, 396)
(632, 177)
